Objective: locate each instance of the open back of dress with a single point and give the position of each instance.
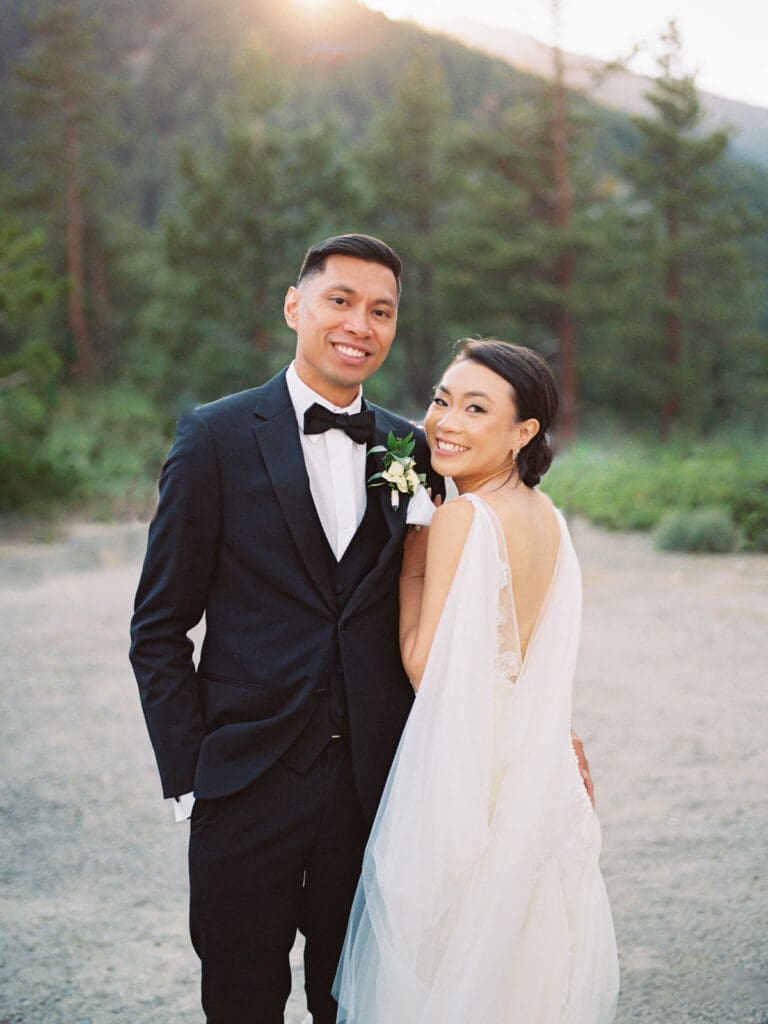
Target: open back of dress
(480, 898)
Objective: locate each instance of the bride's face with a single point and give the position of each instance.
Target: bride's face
(472, 425)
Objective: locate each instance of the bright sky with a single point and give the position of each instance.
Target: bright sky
(726, 41)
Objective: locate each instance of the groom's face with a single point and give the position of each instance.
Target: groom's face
(344, 317)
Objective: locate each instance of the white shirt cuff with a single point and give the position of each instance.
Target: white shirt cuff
(420, 509)
(182, 806)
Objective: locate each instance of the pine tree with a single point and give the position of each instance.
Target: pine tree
(695, 253)
(562, 217)
(410, 189)
(244, 216)
(61, 93)
(524, 235)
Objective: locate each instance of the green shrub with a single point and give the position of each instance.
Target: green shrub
(631, 486)
(706, 530)
(31, 481)
(114, 440)
(111, 436)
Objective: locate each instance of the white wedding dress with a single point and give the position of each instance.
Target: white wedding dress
(480, 899)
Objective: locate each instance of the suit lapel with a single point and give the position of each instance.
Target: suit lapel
(394, 518)
(277, 435)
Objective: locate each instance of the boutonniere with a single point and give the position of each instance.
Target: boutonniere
(399, 468)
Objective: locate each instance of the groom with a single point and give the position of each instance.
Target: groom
(286, 729)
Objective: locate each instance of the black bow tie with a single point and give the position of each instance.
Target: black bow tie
(359, 425)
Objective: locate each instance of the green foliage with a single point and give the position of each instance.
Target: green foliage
(65, 99)
(29, 478)
(32, 484)
(232, 244)
(241, 133)
(113, 441)
(29, 375)
(633, 486)
(705, 530)
(26, 285)
(692, 285)
(408, 201)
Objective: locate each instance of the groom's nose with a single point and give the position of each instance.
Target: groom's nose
(356, 323)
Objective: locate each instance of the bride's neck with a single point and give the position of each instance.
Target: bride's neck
(481, 484)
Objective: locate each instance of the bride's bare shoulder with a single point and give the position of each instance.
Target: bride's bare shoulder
(451, 522)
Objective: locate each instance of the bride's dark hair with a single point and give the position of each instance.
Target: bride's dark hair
(534, 392)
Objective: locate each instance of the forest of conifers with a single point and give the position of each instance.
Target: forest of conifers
(165, 163)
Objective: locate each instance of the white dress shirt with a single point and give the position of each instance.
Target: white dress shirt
(335, 467)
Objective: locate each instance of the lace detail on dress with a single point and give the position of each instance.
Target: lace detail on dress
(508, 659)
(508, 656)
(509, 664)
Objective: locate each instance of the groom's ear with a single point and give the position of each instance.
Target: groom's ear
(291, 307)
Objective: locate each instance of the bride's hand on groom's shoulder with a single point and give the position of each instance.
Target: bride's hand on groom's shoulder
(581, 757)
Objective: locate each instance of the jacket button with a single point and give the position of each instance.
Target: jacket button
(339, 588)
(340, 712)
(338, 668)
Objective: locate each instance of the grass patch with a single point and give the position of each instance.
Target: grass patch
(634, 487)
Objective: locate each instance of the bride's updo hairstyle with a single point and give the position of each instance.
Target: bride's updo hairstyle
(534, 393)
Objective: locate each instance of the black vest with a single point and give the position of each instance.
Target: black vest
(329, 718)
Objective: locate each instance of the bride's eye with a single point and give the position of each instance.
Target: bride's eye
(475, 408)
(437, 400)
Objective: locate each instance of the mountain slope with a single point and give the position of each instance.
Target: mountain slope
(617, 88)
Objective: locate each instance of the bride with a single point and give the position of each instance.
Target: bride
(481, 900)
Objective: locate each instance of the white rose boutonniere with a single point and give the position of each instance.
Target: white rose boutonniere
(399, 470)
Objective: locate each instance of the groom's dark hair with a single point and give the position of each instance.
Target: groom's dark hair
(360, 247)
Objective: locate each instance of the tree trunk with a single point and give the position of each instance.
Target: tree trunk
(77, 319)
(101, 306)
(423, 357)
(672, 329)
(564, 320)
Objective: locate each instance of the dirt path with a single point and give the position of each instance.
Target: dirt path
(672, 702)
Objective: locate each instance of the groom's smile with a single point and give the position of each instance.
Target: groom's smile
(348, 352)
(344, 317)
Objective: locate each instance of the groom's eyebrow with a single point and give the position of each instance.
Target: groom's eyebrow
(386, 301)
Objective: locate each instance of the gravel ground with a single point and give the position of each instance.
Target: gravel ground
(671, 701)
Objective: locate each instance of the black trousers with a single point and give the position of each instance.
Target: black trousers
(283, 854)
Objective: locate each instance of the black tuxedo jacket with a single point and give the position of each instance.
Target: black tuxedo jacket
(236, 537)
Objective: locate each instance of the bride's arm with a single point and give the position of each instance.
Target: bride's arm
(430, 559)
